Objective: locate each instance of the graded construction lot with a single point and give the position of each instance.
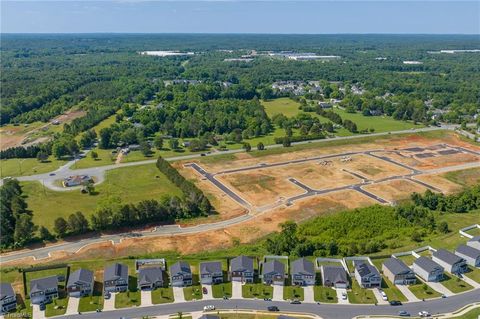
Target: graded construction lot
(383, 171)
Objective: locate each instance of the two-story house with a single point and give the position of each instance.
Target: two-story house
(8, 299)
(273, 272)
(180, 274)
(241, 269)
(367, 275)
(80, 283)
(334, 276)
(115, 278)
(427, 269)
(449, 261)
(470, 254)
(302, 272)
(150, 278)
(398, 273)
(211, 272)
(43, 290)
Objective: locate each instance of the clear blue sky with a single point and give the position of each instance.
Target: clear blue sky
(241, 16)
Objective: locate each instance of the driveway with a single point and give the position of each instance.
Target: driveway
(407, 293)
(277, 293)
(471, 282)
(209, 294)
(378, 296)
(178, 295)
(109, 304)
(72, 306)
(340, 292)
(146, 298)
(37, 313)
(308, 295)
(440, 288)
(237, 290)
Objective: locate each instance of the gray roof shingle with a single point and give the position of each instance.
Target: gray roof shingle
(115, 272)
(334, 274)
(427, 264)
(396, 266)
(273, 266)
(6, 290)
(80, 275)
(303, 266)
(41, 284)
(180, 267)
(241, 263)
(210, 267)
(447, 256)
(150, 275)
(365, 269)
(474, 239)
(468, 251)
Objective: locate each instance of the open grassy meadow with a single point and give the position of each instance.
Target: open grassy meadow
(28, 166)
(123, 185)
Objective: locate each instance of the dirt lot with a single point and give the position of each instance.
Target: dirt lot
(439, 181)
(395, 190)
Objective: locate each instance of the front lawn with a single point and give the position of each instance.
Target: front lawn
(257, 290)
(162, 295)
(360, 295)
(423, 291)
(324, 294)
(220, 290)
(392, 292)
(94, 302)
(193, 293)
(131, 297)
(293, 292)
(57, 307)
(455, 284)
(473, 274)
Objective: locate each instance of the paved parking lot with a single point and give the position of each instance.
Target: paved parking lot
(236, 290)
(308, 295)
(146, 298)
(178, 295)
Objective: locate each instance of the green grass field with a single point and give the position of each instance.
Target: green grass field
(28, 166)
(358, 295)
(220, 290)
(472, 314)
(293, 292)
(123, 185)
(58, 307)
(257, 290)
(392, 292)
(474, 274)
(162, 295)
(94, 302)
(455, 284)
(131, 297)
(325, 294)
(423, 291)
(193, 292)
(467, 177)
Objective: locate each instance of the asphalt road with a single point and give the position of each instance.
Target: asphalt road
(327, 311)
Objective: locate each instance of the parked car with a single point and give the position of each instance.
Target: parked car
(267, 299)
(107, 296)
(395, 303)
(42, 307)
(273, 308)
(344, 296)
(295, 302)
(424, 314)
(384, 295)
(208, 308)
(444, 296)
(403, 313)
(204, 290)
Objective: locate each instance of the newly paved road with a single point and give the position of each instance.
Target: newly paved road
(333, 311)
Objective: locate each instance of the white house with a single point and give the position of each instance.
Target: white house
(427, 269)
(449, 261)
(470, 254)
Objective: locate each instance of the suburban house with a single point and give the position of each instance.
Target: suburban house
(367, 275)
(180, 274)
(115, 278)
(427, 269)
(302, 272)
(150, 278)
(8, 299)
(470, 254)
(273, 272)
(211, 272)
(449, 261)
(398, 273)
(80, 283)
(43, 290)
(474, 242)
(334, 276)
(241, 269)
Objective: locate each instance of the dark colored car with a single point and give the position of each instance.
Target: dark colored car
(403, 313)
(273, 308)
(42, 307)
(205, 291)
(395, 303)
